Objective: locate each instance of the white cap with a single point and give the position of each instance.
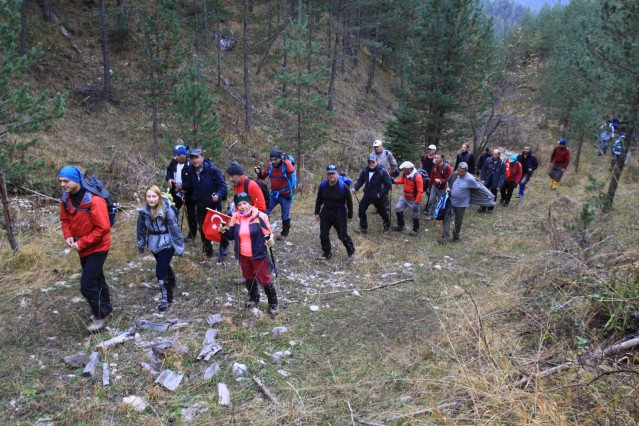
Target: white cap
(406, 165)
(377, 143)
(432, 147)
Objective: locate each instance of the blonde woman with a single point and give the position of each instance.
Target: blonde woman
(159, 231)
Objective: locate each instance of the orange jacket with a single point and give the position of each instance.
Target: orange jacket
(413, 186)
(257, 198)
(88, 223)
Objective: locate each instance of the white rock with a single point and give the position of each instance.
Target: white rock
(292, 343)
(214, 319)
(136, 402)
(278, 331)
(284, 373)
(406, 399)
(67, 251)
(239, 369)
(76, 300)
(146, 285)
(356, 293)
(257, 313)
(314, 308)
(224, 396)
(438, 267)
(186, 294)
(408, 265)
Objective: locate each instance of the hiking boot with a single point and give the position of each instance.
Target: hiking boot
(489, 211)
(163, 306)
(415, 231)
(442, 240)
(397, 228)
(273, 310)
(455, 240)
(271, 295)
(386, 231)
(286, 226)
(520, 195)
(350, 256)
(481, 210)
(208, 250)
(324, 256)
(430, 217)
(226, 250)
(97, 325)
(362, 231)
(250, 304)
(506, 204)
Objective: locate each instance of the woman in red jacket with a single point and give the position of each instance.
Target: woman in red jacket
(87, 230)
(513, 177)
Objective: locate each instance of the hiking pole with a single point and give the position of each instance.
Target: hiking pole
(277, 277)
(219, 263)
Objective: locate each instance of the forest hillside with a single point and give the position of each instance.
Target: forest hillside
(531, 318)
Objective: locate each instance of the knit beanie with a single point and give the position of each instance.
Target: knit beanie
(242, 196)
(276, 153)
(235, 169)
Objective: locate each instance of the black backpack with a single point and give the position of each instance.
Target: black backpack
(96, 187)
(263, 188)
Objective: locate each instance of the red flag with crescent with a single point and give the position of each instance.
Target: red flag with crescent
(212, 223)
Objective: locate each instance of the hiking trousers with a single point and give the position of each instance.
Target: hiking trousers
(458, 214)
(334, 219)
(380, 205)
(163, 268)
(93, 285)
(411, 205)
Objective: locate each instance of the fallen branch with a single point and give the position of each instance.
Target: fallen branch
(56, 200)
(267, 393)
(430, 410)
(124, 337)
(619, 347)
(66, 34)
(367, 289)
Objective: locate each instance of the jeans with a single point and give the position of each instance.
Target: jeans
(93, 285)
(282, 201)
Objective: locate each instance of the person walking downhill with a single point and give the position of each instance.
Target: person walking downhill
(87, 230)
(376, 184)
(529, 164)
(511, 179)
(410, 199)
(493, 174)
(334, 209)
(437, 182)
(242, 183)
(559, 160)
(251, 231)
(158, 229)
(279, 171)
(205, 185)
(386, 161)
(174, 171)
(467, 157)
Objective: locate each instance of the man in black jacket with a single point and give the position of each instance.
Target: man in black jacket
(336, 204)
(174, 178)
(467, 157)
(205, 185)
(377, 184)
(529, 164)
(482, 158)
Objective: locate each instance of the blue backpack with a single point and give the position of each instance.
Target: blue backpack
(292, 179)
(442, 207)
(343, 181)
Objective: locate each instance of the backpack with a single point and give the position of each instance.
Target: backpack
(96, 187)
(292, 179)
(442, 207)
(343, 181)
(425, 177)
(168, 203)
(263, 188)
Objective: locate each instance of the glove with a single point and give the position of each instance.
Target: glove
(270, 241)
(395, 172)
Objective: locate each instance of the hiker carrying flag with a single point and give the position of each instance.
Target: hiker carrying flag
(251, 231)
(334, 209)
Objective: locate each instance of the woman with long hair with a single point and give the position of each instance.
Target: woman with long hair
(159, 231)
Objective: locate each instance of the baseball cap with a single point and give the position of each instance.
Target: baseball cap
(432, 147)
(377, 143)
(513, 158)
(331, 168)
(195, 153)
(372, 157)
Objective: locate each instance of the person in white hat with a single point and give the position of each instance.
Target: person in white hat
(428, 159)
(412, 196)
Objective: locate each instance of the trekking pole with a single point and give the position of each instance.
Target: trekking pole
(219, 263)
(277, 277)
(182, 217)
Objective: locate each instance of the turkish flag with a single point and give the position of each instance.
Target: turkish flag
(211, 224)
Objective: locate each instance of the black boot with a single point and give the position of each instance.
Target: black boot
(271, 295)
(170, 285)
(415, 230)
(254, 294)
(164, 304)
(400, 222)
(286, 226)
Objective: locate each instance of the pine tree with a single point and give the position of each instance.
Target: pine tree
(20, 110)
(194, 104)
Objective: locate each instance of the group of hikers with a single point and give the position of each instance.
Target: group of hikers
(196, 185)
(612, 130)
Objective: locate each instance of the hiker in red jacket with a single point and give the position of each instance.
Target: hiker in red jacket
(280, 172)
(512, 179)
(242, 183)
(410, 199)
(87, 230)
(437, 183)
(559, 160)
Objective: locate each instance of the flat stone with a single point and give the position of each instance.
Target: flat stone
(136, 402)
(77, 360)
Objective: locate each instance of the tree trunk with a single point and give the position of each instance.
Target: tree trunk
(331, 85)
(371, 70)
(46, 10)
(284, 33)
(206, 28)
(580, 142)
(154, 118)
(11, 232)
(218, 66)
(247, 82)
(23, 28)
(107, 90)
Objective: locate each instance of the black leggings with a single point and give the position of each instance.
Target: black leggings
(163, 263)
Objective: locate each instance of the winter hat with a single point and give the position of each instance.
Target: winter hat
(235, 169)
(377, 143)
(372, 157)
(406, 165)
(180, 149)
(563, 142)
(331, 168)
(462, 165)
(242, 196)
(513, 158)
(276, 153)
(71, 173)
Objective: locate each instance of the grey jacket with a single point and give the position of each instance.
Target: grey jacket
(161, 233)
(480, 195)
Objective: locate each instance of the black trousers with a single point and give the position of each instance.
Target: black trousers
(163, 259)
(507, 191)
(335, 219)
(191, 216)
(380, 205)
(93, 285)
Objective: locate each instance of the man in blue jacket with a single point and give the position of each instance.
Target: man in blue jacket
(205, 185)
(493, 174)
(377, 184)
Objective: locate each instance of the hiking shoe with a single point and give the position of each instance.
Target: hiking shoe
(350, 256)
(226, 250)
(413, 233)
(489, 211)
(442, 240)
(430, 217)
(481, 210)
(97, 325)
(455, 240)
(273, 310)
(386, 231)
(362, 231)
(163, 306)
(324, 256)
(397, 228)
(250, 304)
